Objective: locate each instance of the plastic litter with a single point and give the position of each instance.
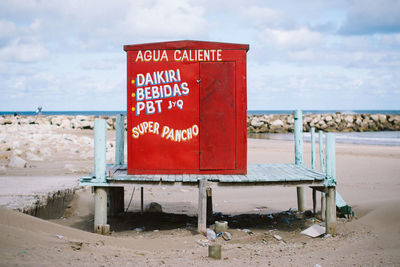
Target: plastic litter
(314, 230)
(59, 236)
(226, 236)
(210, 234)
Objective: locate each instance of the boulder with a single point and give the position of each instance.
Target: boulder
(382, 118)
(349, 119)
(66, 124)
(374, 117)
(80, 118)
(277, 123)
(87, 125)
(17, 162)
(256, 123)
(328, 118)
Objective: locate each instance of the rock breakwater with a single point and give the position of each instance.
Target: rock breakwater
(338, 122)
(276, 123)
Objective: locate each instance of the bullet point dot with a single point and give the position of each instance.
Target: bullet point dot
(133, 94)
(133, 109)
(133, 81)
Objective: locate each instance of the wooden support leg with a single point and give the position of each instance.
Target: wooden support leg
(202, 212)
(331, 211)
(314, 200)
(323, 206)
(300, 199)
(100, 209)
(141, 200)
(209, 202)
(115, 200)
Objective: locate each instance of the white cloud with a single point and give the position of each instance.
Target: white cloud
(301, 38)
(164, 19)
(262, 15)
(99, 64)
(18, 52)
(7, 29)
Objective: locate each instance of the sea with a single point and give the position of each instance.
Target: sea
(386, 138)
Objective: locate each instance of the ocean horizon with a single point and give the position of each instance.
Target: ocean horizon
(249, 112)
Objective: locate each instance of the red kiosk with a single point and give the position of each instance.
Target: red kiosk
(187, 124)
(186, 108)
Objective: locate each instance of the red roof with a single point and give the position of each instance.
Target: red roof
(186, 44)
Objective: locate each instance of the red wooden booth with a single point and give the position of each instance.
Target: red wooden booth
(186, 108)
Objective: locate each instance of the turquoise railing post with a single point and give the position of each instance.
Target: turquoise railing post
(313, 148)
(119, 139)
(100, 150)
(298, 137)
(322, 169)
(299, 154)
(331, 157)
(314, 191)
(321, 153)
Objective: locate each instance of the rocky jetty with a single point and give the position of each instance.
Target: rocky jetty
(327, 122)
(277, 123)
(59, 121)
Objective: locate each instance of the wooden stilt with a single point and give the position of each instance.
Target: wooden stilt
(299, 153)
(115, 200)
(100, 209)
(331, 211)
(314, 200)
(331, 191)
(323, 206)
(202, 212)
(141, 200)
(300, 198)
(209, 202)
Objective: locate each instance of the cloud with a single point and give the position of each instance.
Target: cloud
(262, 15)
(300, 38)
(164, 19)
(99, 64)
(23, 52)
(372, 16)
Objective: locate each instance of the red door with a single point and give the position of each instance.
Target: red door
(217, 116)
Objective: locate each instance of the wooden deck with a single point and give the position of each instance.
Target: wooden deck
(256, 174)
(108, 181)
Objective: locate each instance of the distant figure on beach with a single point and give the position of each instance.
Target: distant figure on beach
(39, 110)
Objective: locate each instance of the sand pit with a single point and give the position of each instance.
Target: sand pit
(368, 179)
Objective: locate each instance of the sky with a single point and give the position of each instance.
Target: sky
(310, 54)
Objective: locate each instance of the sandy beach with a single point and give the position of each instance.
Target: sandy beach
(368, 179)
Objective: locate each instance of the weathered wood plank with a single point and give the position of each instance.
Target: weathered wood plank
(202, 207)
